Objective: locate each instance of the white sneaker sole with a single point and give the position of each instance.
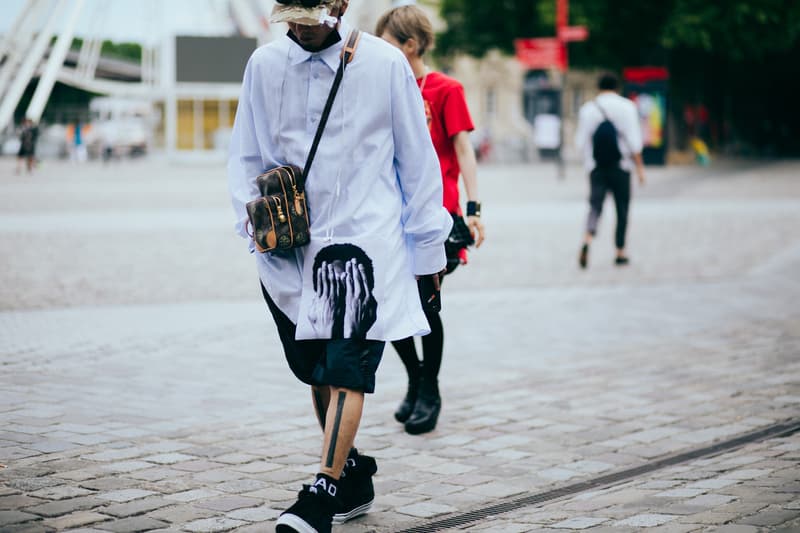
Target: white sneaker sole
(295, 523)
(341, 518)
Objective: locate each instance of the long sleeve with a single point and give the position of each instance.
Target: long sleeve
(244, 158)
(426, 222)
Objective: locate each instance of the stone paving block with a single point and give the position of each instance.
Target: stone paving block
(127, 466)
(181, 514)
(14, 453)
(255, 514)
(426, 509)
(154, 474)
(711, 483)
(579, 522)
(107, 484)
(734, 528)
(168, 458)
(497, 489)
(256, 467)
(125, 495)
(200, 465)
(770, 517)
(557, 474)
(193, 495)
(132, 525)
(28, 527)
(62, 507)
(750, 473)
(74, 520)
(228, 503)
(241, 485)
(33, 484)
(241, 458)
(81, 474)
(216, 476)
(646, 520)
(680, 493)
(60, 492)
(213, 525)
(114, 455)
(18, 501)
(51, 446)
(15, 517)
(136, 507)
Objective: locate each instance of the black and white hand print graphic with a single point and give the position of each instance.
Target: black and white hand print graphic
(343, 305)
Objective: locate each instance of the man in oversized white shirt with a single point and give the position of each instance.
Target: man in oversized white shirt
(610, 137)
(376, 217)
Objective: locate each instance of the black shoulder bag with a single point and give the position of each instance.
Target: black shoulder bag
(280, 217)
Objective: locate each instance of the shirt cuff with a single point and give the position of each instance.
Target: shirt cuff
(429, 259)
(241, 229)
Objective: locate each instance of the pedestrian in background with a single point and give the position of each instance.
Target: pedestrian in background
(26, 156)
(449, 123)
(376, 222)
(610, 137)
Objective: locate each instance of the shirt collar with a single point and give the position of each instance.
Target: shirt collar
(329, 56)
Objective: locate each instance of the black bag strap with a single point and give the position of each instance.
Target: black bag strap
(348, 52)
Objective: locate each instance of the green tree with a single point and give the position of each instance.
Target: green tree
(737, 30)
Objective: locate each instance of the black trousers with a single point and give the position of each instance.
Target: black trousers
(618, 182)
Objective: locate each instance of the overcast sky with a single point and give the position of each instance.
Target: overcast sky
(139, 20)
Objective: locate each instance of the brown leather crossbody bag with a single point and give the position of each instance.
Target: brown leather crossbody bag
(279, 218)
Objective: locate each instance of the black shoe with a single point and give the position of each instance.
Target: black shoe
(583, 259)
(621, 261)
(426, 410)
(311, 513)
(406, 407)
(356, 492)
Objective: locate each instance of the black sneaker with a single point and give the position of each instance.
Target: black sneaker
(583, 258)
(356, 492)
(311, 513)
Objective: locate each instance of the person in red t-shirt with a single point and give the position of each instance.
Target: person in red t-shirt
(408, 28)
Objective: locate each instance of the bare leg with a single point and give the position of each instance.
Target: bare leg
(341, 424)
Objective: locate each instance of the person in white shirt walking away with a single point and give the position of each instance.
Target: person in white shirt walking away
(610, 138)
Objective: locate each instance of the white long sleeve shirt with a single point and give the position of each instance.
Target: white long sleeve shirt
(375, 175)
(623, 114)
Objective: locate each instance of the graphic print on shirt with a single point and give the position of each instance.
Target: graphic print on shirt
(340, 301)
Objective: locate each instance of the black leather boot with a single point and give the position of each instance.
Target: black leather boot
(426, 411)
(406, 407)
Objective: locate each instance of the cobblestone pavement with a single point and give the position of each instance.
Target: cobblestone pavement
(142, 386)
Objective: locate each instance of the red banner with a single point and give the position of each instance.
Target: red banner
(645, 74)
(541, 53)
(573, 33)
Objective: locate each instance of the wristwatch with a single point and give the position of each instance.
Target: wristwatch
(473, 209)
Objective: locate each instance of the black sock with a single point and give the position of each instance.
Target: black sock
(325, 483)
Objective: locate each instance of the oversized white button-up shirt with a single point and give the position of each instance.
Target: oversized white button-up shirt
(375, 175)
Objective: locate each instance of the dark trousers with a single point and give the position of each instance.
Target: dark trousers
(618, 182)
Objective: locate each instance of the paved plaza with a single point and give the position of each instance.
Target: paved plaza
(142, 386)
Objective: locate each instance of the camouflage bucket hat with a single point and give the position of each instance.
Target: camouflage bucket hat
(308, 12)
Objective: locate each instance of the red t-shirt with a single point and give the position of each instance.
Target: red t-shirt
(447, 114)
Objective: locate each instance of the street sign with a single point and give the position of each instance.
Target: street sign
(541, 53)
(573, 33)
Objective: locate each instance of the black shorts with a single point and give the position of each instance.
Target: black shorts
(345, 363)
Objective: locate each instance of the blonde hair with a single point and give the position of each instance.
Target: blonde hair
(407, 22)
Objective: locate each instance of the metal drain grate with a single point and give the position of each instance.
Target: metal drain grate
(776, 430)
